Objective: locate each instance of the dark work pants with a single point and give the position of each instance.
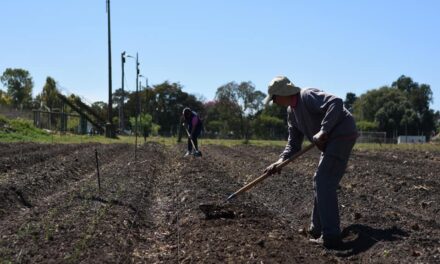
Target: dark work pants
(331, 168)
(194, 139)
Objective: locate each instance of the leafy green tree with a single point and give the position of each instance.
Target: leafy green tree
(350, 98)
(164, 102)
(273, 129)
(5, 99)
(267, 126)
(100, 108)
(145, 121)
(427, 123)
(367, 126)
(390, 116)
(244, 97)
(212, 122)
(49, 94)
(20, 85)
(402, 108)
(368, 104)
(437, 121)
(419, 96)
(410, 122)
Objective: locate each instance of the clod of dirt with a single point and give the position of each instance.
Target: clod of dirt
(357, 216)
(303, 231)
(415, 227)
(213, 211)
(261, 242)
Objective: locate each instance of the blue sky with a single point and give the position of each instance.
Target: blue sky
(337, 46)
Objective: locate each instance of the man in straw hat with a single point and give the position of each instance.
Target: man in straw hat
(324, 120)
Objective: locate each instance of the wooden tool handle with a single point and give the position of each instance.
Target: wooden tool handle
(267, 174)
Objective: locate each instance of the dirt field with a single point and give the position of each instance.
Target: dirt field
(51, 210)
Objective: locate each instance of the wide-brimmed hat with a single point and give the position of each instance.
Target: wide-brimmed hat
(280, 85)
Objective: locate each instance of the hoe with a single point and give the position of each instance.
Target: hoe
(197, 153)
(218, 211)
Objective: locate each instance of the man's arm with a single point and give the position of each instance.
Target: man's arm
(295, 139)
(293, 145)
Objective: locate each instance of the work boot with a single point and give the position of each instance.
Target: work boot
(328, 241)
(313, 232)
(309, 232)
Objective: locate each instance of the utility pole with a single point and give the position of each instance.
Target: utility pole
(121, 106)
(109, 131)
(146, 86)
(137, 105)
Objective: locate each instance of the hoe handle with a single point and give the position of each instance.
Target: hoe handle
(267, 174)
(189, 135)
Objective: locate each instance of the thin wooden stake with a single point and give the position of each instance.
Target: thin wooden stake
(97, 170)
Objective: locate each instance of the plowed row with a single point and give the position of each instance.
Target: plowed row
(52, 211)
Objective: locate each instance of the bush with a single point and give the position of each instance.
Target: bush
(367, 126)
(19, 129)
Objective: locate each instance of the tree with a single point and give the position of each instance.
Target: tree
(100, 108)
(410, 122)
(164, 102)
(269, 127)
(368, 104)
(145, 122)
(367, 126)
(427, 123)
(420, 96)
(5, 99)
(402, 108)
(49, 94)
(437, 121)
(20, 85)
(274, 129)
(244, 97)
(350, 98)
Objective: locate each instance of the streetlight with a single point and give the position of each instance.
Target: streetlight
(121, 101)
(137, 110)
(121, 107)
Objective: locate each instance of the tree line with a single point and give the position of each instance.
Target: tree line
(237, 110)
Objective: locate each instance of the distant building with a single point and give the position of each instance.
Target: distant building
(411, 139)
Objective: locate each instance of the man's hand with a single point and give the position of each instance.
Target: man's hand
(273, 168)
(320, 140)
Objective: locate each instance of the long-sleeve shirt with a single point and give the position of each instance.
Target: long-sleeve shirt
(316, 110)
(194, 123)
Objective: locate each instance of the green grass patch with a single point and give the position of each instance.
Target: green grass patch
(409, 147)
(20, 130)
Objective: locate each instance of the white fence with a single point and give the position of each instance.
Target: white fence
(373, 137)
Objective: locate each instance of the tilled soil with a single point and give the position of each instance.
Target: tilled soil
(147, 209)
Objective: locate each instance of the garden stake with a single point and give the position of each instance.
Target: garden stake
(97, 169)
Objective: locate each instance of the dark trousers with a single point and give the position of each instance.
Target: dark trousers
(194, 139)
(331, 168)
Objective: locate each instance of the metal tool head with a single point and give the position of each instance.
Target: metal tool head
(214, 211)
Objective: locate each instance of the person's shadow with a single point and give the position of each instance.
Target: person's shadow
(359, 238)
